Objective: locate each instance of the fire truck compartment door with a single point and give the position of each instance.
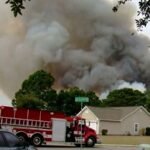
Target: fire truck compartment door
(58, 130)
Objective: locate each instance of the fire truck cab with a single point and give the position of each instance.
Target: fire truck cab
(44, 127)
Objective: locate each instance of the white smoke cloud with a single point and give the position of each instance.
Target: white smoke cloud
(82, 43)
(135, 85)
(123, 84)
(4, 100)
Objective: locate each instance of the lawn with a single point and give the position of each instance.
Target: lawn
(130, 140)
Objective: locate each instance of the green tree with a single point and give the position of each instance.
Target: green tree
(67, 100)
(29, 100)
(147, 104)
(50, 99)
(36, 92)
(38, 82)
(144, 11)
(125, 97)
(93, 99)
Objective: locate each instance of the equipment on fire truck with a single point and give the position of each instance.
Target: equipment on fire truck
(44, 127)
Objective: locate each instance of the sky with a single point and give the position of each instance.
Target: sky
(36, 32)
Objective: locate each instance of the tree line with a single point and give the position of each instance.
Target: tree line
(37, 92)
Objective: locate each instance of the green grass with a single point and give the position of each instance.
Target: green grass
(130, 140)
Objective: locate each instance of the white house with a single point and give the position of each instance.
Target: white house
(117, 120)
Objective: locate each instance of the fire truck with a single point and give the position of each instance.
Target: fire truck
(45, 127)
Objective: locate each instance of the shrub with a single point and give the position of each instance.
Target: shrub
(128, 133)
(104, 131)
(147, 131)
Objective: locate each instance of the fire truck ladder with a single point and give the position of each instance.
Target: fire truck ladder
(24, 122)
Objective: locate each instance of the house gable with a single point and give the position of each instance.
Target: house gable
(134, 111)
(88, 114)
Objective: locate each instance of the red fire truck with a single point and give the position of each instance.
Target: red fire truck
(44, 127)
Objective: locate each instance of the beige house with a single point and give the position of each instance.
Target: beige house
(117, 120)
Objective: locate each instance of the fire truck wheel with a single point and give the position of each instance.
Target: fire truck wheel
(37, 140)
(22, 138)
(90, 142)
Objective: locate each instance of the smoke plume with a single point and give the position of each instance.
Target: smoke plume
(80, 42)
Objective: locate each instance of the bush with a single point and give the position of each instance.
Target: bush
(128, 133)
(104, 131)
(147, 131)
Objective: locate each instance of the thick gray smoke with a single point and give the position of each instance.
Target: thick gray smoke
(81, 42)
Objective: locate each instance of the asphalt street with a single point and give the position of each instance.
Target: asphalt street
(97, 147)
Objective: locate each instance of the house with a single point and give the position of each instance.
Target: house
(117, 120)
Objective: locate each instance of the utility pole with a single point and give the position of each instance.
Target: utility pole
(81, 100)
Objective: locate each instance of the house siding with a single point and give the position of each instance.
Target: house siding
(114, 128)
(139, 117)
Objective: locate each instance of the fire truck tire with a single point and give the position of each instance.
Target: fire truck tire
(37, 140)
(90, 142)
(77, 145)
(22, 137)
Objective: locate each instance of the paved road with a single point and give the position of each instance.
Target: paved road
(97, 147)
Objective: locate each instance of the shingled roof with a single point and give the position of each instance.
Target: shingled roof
(114, 113)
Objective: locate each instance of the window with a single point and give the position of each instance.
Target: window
(12, 140)
(2, 142)
(136, 127)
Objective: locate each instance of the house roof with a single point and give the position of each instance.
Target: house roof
(114, 113)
